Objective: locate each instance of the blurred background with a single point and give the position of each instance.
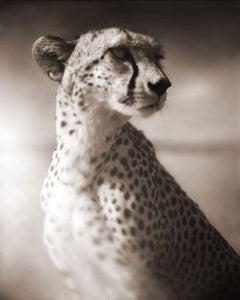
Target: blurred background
(196, 135)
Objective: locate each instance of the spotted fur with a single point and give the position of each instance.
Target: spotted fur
(117, 224)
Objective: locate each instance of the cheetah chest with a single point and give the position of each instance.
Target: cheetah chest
(83, 239)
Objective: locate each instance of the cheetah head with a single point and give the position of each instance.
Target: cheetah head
(115, 68)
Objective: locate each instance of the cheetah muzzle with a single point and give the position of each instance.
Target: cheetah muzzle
(117, 225)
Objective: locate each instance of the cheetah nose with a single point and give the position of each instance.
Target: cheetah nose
(160, 87)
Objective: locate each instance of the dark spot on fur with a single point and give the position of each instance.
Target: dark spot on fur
(114, 171)
(148, 230)
(122, 188)
(192, 222)
(193, 241)
(131, 153)
(127, 213)
(93, 160)
(100, 181)
(124, 162)
(119, 141)
(136, 182)
(120, 175)
(144, 191)
(173, 200)
(134, 163)
(119, 221)
(130, 174)
(113, 186)
(167, 188)
(140, 224)
(124, 232)
(145, 173)
(131, 187)
(115, 156)
(132, 231)
(141, 209)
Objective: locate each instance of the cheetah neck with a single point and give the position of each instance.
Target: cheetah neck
(83, 139)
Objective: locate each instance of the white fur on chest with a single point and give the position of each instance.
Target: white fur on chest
(72, 223)
(69, 239)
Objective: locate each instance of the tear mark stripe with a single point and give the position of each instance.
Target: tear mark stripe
(132, 81)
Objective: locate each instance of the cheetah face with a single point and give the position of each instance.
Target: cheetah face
(115, 68)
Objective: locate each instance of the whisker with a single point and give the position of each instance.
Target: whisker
(130, 101)
(124, 99)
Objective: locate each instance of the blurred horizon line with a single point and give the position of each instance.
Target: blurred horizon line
(158, 145)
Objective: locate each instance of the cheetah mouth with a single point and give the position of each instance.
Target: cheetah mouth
(143, 103)
(152, 106)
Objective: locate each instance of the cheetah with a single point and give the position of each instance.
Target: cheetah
(117, 224)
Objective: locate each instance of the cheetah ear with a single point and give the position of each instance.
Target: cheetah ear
(52, 54)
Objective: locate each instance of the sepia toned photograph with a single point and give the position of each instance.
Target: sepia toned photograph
(119, 150)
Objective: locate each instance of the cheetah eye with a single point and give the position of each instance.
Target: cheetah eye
(158, 58)
(119, 52)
